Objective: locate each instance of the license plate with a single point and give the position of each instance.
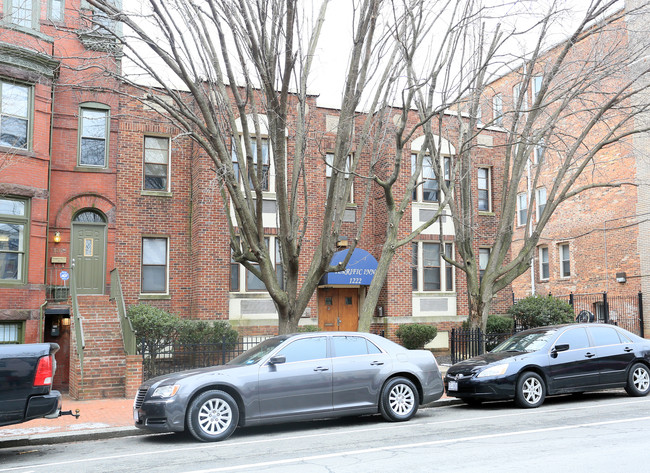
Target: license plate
(452, 386)
(136, 415)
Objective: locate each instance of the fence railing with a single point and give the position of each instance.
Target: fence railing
(78, 321)
(128, 334)
(161, 357)
(57, 289)
(467, 343)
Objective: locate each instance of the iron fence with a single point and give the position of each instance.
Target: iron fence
(58, 290)
(171, 355)
(467, 343)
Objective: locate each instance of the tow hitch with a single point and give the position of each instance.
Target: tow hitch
(69, 413)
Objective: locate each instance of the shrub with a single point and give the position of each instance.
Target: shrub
(499, 324)
(152, 322)
(415, 336)
(309, 328)
(539, 311)
(207, 332)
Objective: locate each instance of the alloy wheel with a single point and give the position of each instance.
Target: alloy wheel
(532, 390)
(215, 416)
(401, 399)
(641, 379)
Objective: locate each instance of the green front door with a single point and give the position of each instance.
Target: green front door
(89, 254)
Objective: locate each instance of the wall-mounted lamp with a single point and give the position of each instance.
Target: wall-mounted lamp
(57, 237)
(65, 321)
(621, 277)
(342, 243)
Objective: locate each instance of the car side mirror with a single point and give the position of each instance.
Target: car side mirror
(278, 360)
(558, 348)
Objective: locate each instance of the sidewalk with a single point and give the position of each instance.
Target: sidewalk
(99, 419)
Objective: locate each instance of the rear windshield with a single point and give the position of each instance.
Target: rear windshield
(525, 341)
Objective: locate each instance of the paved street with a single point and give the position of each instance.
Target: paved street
(602, 432)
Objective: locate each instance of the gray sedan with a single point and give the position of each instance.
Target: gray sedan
(291, 378)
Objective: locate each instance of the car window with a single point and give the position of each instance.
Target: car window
(576, 338)
(604, 336)
(526, 341)
(349, 346)
(314, 348)
(372, 348)
(255, 354)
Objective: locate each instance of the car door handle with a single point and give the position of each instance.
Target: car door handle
(321, 368)
(590, 355)
(628, 349)
(376, 363)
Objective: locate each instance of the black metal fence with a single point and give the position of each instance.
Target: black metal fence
(624, 311)
(466, 343)
(161, 357)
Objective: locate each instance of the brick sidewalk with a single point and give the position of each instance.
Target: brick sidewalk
(96, 414)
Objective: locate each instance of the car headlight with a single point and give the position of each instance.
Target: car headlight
(166, 391)
(496, 370)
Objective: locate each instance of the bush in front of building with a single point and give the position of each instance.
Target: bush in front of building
(499, 324)
(206, 332)
(540, 311)
(415, 336)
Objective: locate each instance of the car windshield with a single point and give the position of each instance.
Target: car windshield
(255, 354)
(525, 341)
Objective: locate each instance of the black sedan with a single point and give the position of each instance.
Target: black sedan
(554, 360)
(291, 378)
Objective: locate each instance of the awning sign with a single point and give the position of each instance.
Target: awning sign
(359, 272)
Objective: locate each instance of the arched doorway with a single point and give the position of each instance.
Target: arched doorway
(89, 251)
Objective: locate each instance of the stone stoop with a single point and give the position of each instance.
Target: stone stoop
(105, 364)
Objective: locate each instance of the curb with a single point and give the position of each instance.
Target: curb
(118, 432)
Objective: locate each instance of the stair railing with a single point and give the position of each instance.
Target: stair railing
(78, 320)
(128, 334)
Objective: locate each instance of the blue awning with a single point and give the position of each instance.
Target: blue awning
(359, 271)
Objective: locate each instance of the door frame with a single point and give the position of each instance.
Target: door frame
(73, 247)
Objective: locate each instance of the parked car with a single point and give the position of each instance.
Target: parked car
(551, 360)
(26, 373)
(292, 378)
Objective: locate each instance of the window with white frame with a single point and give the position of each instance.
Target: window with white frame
(497, 109)
(483, 259)
(430, 272)
(265, 161)
(22, 12)
(14, 115)
(537, 86)
(14, 220)
(522, 208)
(565, 260)
(329, 162)
(517, 90)
(156, 163)
(543, 263)
(484, 190)
(154, 265)
(538, 152)
(427, 188)
(541, 201)
(243, 280)
(93, 136)
(11, 332)
(55, 10)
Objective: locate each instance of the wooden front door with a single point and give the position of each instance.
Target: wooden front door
(89, 254)
(338, 309)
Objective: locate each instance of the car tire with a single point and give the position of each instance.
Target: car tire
(638, 380)
(531, 390)
(212, 416)
(399, 400)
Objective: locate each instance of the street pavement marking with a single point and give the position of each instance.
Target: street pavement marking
(255, 466)
(266, 439)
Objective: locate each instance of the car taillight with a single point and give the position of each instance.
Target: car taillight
(44, 372)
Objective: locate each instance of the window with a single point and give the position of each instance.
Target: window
(427, 188)
(154, 265)
(353, 346)
(541, 201)
(576, 338)
(266, 163)
(516, 92)
(55, 9)
(241, 279)
(497, 109)
(604, 336)
(13, 231)
(11, 332)
(156, 163)
(522, 209)
(14, 115)
(538, 152)
(93, 141)
(483, 259)
(329, 162)
(565, 261)
(484, 201)
(22, 12)
(537, 86)
(314, 348)
(543, 263)
(430, 271)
